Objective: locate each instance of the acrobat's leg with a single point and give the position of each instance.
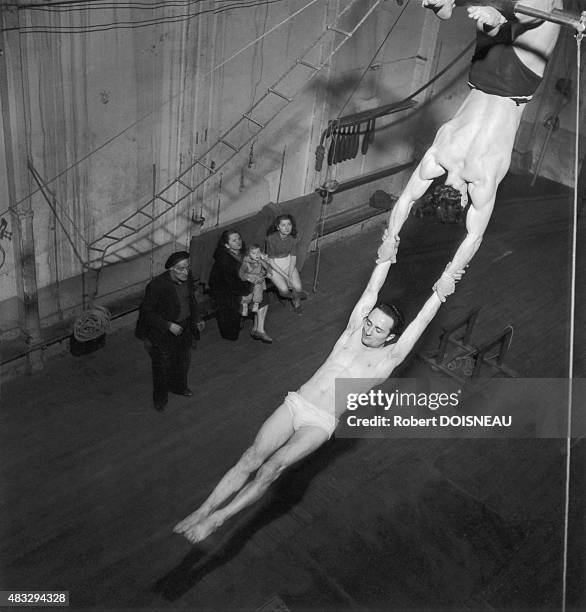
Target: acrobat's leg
(301, 444)
(427, 170)
(275, 432)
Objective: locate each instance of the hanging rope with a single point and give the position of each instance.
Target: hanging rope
(444, 70)
(372, 60)
(250, 44)
(334, 127)
(578, 37)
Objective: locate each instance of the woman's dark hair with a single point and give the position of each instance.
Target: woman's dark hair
(275, 226)
(396, 315)
(225, 236)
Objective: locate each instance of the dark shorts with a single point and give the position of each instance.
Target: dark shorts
(500, 72)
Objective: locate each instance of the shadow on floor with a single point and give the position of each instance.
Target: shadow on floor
(285, 494)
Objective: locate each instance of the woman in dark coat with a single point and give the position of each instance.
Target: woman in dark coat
(226, 287)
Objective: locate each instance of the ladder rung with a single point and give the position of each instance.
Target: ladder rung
(228, 144)
(342, 32)
(186, 185)
(146, 214)
(168, 202)
(132, 229)
(260, 125)
(91, 248)
(197, 161)
(110, 237)
(281, 95)
(304, 63)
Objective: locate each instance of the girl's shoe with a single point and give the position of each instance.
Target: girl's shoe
(262, 336)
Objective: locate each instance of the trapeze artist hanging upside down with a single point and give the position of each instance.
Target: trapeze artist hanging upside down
(474, 148)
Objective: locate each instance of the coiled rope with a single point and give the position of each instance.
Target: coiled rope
(91, 324)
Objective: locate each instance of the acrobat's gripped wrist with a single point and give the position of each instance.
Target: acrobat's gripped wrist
(446, 284)
(387, 251)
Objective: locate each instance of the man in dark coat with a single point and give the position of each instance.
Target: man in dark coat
(170, 322)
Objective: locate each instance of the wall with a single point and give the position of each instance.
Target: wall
(115, 115)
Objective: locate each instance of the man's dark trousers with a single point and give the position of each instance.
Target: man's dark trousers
(170, 358)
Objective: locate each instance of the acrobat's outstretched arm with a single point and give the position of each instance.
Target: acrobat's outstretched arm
(386, 255)
(419, 182)
(477, 219)
(413, 332)
(409, 337)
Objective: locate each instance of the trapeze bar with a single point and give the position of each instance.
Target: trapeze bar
(509, 7)
(556, 16)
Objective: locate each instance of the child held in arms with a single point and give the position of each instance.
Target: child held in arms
(254, 269)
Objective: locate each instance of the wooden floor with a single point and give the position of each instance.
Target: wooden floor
(92, 479)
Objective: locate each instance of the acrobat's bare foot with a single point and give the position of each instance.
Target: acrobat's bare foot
(202, 530)
(488, 19)
(190, 521)
(442, 8)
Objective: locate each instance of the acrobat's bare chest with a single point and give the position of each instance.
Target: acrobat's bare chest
(360, 361)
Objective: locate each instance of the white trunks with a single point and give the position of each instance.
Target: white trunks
(305, 414)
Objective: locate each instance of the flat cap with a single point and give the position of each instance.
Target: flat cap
(175, 258)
